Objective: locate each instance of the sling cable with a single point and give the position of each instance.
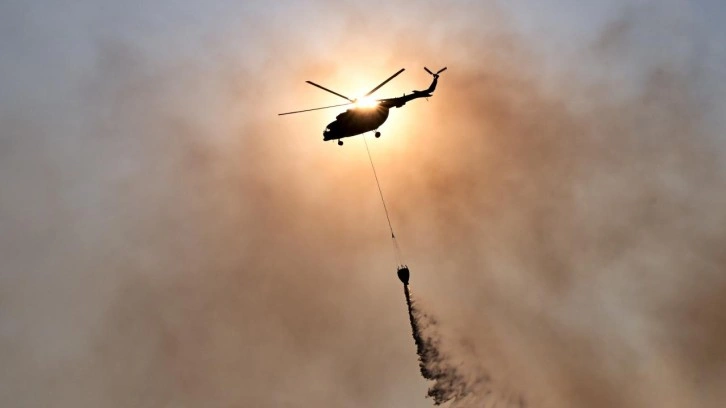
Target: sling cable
(401, 269)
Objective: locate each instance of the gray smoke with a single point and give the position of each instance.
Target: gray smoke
(449, 384)
(167, 240)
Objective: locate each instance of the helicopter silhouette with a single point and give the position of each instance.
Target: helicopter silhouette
(364, 117)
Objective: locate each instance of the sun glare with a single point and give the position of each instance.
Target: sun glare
(365, 102)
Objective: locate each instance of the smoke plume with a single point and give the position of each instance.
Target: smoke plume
(448, 383)
(167, 240)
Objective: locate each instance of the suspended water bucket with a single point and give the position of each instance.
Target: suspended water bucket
(403, 274)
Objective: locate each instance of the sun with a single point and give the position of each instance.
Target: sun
(365, 102)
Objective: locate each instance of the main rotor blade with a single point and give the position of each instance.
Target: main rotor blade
(441, 70)
(428, 70)
(308, 110)
(326, 89)
(385, 82)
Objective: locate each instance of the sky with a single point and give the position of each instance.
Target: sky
(169, 240)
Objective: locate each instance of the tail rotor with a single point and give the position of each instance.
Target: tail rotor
(436, 75)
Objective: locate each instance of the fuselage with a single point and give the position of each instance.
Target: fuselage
(356, 121)
(359, 120)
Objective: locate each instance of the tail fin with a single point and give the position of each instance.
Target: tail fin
(432, 87)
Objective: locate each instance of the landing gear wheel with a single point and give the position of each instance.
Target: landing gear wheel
(340, 142)
(378, 134)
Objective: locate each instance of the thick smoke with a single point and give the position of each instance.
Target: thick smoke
(448, 383)
(167, 240)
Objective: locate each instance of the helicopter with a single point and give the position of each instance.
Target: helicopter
(367, 114)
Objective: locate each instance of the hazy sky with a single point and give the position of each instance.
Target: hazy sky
(168, 240)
